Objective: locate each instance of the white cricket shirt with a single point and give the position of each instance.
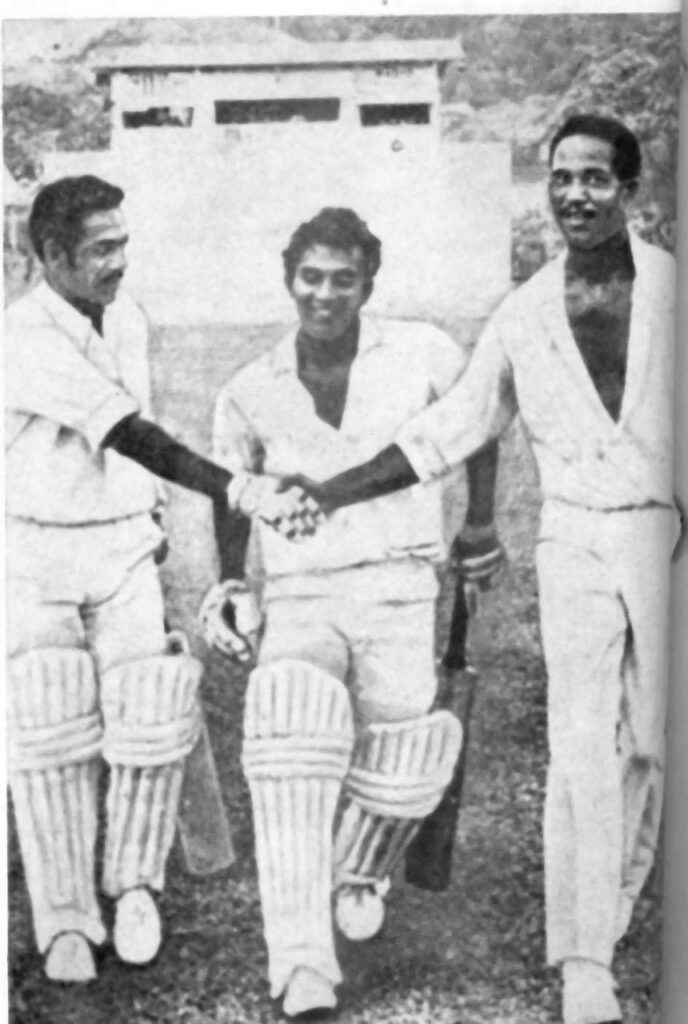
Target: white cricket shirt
(265, 421)
(65, 388)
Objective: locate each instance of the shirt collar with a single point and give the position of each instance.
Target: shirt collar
(283, 357)
(74, 323)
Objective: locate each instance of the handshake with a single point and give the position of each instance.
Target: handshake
(280, 502)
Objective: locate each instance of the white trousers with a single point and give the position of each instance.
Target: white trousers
(604, 601)
(382, 651)
(94, 587)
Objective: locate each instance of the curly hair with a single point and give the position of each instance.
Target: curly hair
(59, 210)
(338, 228)
(626, 158)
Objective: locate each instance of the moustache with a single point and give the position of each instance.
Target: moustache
(113, 278)
(576, 208)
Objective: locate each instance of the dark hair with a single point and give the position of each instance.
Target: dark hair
(626, 159)
(337, 228)
(59, 210)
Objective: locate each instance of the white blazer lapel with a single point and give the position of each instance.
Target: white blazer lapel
(555, 324)
(645, 298)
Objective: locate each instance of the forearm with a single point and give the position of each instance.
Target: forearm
(386, 472)
(481, 474)
(154, 449)
(232, 531)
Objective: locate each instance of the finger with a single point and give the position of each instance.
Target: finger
(286, 483)
(307, 524)
(311, 506)
(296, 527)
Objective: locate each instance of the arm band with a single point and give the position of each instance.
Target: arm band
(156, 451)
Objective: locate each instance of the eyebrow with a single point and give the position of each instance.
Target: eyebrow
(107, 241)
(586, 167)
(328, 270)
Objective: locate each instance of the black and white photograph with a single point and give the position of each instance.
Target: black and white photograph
(342, 516)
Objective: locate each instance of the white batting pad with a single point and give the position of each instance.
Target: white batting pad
(54, 739)
(152, 721)
(398, 774)
(298, 739)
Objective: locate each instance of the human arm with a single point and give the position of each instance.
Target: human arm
(476, 550)
(229, 617)
(475, 411)
(460, 426)
(154, 449)
(232, 532)
(243, 493)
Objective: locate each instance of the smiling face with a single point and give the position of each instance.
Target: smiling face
(93, 271)
(588, 200)
(329, 287)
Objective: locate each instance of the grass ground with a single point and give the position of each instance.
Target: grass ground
(473, 955)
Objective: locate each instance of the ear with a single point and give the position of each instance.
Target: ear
(54, 255)
(367, 290)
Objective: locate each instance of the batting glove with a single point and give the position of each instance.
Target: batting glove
(478, 554)
(291, 512)
(229, 620)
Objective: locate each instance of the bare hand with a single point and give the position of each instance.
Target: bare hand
(284, 506)
(306, 484)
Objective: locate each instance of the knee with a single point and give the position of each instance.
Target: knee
(401, 769)
(52, 706)
(394, 697)
(297, 723)
(291, 697)
(150, 709)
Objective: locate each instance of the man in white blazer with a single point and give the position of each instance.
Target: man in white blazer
(584, 352)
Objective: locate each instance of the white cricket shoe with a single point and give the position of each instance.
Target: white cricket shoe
(308, 992)
(360, 909)
(70, 959)
(588, 993)
(137, 933)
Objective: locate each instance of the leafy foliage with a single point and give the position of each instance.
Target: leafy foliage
(37, 120)
(640, 84)
(522, 76)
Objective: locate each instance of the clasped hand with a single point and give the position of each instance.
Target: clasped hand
(281, 503)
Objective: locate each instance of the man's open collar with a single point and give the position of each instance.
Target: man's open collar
(283, 356)
(75, 324)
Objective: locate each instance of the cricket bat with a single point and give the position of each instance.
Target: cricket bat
(429, 855)
(202, 823)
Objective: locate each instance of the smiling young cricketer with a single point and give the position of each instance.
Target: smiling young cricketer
(584, 352)
(339, 705)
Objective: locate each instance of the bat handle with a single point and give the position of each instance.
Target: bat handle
(455, 654)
